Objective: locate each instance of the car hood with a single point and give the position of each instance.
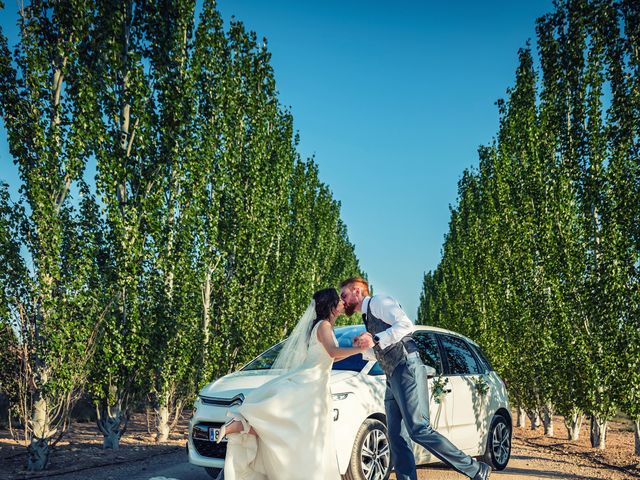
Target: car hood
(245, 381)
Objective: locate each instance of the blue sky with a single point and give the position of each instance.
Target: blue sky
(393, 99)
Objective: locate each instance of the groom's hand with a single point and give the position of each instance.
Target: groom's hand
(364, 340)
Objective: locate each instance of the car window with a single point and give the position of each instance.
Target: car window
(265, 360)
(482, 357)
(345, 339)
(459, 356)
(429, 351)
(354, 363)
(345, 336)
(376, 370)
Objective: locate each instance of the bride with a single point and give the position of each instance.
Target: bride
(284, 429)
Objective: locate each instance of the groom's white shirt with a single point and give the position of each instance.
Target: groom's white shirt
(389, 311)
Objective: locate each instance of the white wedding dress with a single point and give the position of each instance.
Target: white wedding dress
(292, 416)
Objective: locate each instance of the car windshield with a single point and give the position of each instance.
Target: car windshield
(345, 337)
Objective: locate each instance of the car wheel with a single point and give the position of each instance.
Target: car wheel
(498, 448)
(371, 456)
(213, 472)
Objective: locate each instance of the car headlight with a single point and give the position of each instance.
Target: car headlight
(196, 404)
(340, 396)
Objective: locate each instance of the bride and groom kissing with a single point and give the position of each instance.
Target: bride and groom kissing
(284, 429)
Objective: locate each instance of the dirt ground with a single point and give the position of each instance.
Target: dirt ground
(616, 462)
(536, 457)
(81, 450)
(79, 455)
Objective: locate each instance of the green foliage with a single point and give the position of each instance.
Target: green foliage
(439, 388)
(13, 293)
(541, 261)
(480, 384)
(44, 105)
(206, 233)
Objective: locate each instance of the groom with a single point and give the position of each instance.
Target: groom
(389, 335)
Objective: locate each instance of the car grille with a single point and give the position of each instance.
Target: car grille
(204, 447)
(223, 402)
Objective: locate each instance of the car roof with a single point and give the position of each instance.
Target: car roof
(428, 328)
(347, 329)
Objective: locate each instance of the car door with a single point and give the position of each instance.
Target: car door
(440, 414)
(469, 407)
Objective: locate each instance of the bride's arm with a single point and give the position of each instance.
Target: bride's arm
(326, 338)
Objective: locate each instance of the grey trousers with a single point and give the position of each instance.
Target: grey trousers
(402, 403)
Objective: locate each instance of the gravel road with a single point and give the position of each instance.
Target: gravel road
(528, 462)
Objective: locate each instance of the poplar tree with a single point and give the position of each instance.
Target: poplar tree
(46, 103)
(170, 308)
(206, 233)
(540, 263)
(127, 181)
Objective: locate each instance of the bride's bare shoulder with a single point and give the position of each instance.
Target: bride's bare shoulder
(324, 328)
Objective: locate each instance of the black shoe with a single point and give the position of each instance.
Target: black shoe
(483, 473)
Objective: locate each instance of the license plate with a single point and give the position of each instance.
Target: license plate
(214, 434)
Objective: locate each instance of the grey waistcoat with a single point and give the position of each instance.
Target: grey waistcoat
(391, 356)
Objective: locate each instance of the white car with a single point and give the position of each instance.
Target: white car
(468, 404)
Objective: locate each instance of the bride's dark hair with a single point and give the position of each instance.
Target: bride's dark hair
(326, 300)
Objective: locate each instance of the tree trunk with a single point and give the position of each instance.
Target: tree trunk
(38, 452)
(112, 422)
(39, 449)
(637, 436)
(574, 424)
(521, 418)
(10, 425)
(206, 321)
(547, 420)
(148, 415)
(206, 305)
(598, 432)
(162, 423)
(534, 418)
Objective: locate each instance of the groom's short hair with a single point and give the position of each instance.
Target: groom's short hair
(359, 281)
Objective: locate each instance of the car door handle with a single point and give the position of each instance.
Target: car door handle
(430, 371)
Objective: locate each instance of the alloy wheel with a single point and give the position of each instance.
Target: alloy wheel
(375, 455)
(501, 443)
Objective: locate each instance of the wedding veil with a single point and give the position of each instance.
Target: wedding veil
(294, 350)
